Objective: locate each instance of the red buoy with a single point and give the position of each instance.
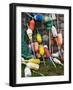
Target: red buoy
(32, 24)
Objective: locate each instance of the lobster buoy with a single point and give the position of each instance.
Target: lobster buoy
(46, 19)
(59, 39)
(57, 61)
(53, 16)
(27, 72)
(33, 66)
(55, 54)
(39, 17)
(29, 33)
(54, 31)
(35, 60)
(49, 23)
(36, 46)
(41, 50)
(32, 24)
(39, 38)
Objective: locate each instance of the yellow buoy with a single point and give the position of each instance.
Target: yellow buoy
(33, 66)
(39, 38)
(41, 50)
(35, 60)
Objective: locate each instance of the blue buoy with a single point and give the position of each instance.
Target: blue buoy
(39, 17)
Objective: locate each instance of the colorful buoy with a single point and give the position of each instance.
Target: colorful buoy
(49, 23)
(57, 61)
(47, 53)
(46, 19)
(27, 72)
(54, 31)
(39, 17)
(32, 24)
(39, 38)
(59, 39)
(35, 60)
(33, 66)
(41, 50)
(29, 33)
(53, 16)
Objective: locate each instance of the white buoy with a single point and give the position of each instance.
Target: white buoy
(55, 54)
(22, 59)
(29, 33)
(53, 16)
(46, 19)
(27, 72)
(57, 61)
(54, 31)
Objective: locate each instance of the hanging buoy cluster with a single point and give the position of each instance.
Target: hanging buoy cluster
(40, 41)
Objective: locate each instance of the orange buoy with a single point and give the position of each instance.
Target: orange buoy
(59, 39)
(32, 24)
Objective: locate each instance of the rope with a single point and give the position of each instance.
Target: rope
(30, 15)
